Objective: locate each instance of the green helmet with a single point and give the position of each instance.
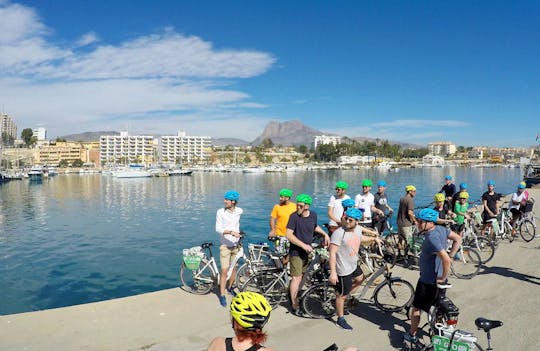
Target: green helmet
(285, 192)
(304, 198)
(342, 185)
(367, 182)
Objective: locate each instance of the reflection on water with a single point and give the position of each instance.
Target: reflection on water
(80, 238)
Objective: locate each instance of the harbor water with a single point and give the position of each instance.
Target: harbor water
(75, 239)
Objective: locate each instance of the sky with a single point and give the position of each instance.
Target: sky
(412, 71)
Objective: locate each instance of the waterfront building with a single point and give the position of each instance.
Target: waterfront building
(125, 148)
(325, 140)
(40, 134)
(51, 154)
(8, 126)
(182, 148)
(442, 148)
(355, 160)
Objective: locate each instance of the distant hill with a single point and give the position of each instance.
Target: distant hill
(403, 145)
(87, 136)
(229, 141)
(288, 133)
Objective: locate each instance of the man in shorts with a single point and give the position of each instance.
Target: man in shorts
(335, 207)
(344, 270)
(228, 227)
(434, 266)
(405, 216)
(382, 208)
(300, 229)
(365, 201)
(491, 203)
(279, 219)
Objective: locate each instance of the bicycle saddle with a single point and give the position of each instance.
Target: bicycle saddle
(486, 324)
(206, 245)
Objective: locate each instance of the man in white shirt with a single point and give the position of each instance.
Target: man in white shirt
(366, 202)
(517, 203)
(228, 227)
(335, 208)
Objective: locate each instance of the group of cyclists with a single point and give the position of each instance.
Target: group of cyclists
(295, 224)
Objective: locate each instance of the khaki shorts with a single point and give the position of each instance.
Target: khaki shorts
(407, 232)
(298, 266)
(226, 255)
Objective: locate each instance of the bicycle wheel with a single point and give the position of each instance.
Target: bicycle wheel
(199, 281)
(393, 295)
(245, 271)
(319, 301)
(268, 284)
(527, 230)
(468, 265)
(389, 253)
(484, 246)
(508, 231)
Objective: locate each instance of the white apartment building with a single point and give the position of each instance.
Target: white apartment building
(125, 148)
(442, 148)
(40, 133)
(185, 148)
(325, 140)
(7, 125)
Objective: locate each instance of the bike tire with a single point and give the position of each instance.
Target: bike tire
(319, 301)
(393, 295)
(508, 231)
(527, 230)
(468, 265)
(389, 253)
(484, 246)
(245, 271)
(199, 281)
(268, 284)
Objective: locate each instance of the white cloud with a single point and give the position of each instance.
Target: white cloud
(421, 123)
(154, 80)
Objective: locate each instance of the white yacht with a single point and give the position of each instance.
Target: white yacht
(133, 171)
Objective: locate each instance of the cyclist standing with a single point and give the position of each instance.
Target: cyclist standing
(279, 219)
(228, 227)
(441, 206)
(345, 272)
(460, 209)
(405, 216)
(449, 188)
(335, 206)
(382, 208)
(249, 313)
(366, 201)
(455, 198)
(490, 201)
(300, 229)
(434, 265)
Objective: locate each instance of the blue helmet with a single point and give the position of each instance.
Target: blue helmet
(381, 183)
(347, 203)
(463, 186)
(522, 185)
(354, 213)
(491, 182)
(428, 215)
(232, 195)
(448, 177)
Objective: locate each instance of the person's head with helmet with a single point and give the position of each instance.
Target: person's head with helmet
(303, 202)
(284, 196)
(410, 190)
(366, 185)
(426, 219)
(231, 198)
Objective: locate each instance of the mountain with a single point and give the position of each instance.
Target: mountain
(229, 141)
(87, 136)
(288, 133)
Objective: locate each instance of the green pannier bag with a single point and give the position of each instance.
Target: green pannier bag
(192, 262)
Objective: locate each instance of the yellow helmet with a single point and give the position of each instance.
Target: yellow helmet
(463, 195)
(250, 310)
(410, 188)
(439, 197)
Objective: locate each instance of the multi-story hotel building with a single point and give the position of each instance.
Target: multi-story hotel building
(52, 154)
(124, 148)
(325, 140)
(185, 148)
(442, 148)
(7, 125)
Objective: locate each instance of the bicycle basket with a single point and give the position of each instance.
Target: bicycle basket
(193, 257)
(528, 206)
(442, 343)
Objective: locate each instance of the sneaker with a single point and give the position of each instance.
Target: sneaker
(457, 256)
(223, 301)
(341, 322)
(410, 338)
(297, 312)
(231, 291)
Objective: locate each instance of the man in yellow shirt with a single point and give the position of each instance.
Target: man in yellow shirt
(280, 217)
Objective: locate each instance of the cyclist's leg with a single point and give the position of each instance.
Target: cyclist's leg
(425, 296)
(225, 258)
(297, 271)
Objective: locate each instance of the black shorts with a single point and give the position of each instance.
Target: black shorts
(458, 228)
(425, 296)
(516, 212)
(344, 284)
(486, 217)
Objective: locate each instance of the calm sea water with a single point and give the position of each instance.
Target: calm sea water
(76, 239)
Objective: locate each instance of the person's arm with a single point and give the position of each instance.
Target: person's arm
(411, 215)
(456, 242)
(220, 225)
(486, 208)
(374, 209)
(333, 279)
(214, 344)
(273, 222)
(320, 231)
(446, 261)
(294, 240)
(331, 215)
(369, 231)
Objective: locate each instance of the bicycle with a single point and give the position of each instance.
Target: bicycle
(467, 263)
(484, 246)
(499, 228)
(391, 295)
(526, 223)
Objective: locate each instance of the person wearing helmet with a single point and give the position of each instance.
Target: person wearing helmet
(441, 206)
(517, 204)
(347, 203)
(461, 210)
(300, 229)
(250, 311)
(335, 207)
(382, 208)
(228, 228)
(449, 188)
(405, 215)
(279, 219)
(491, 204)
(462, 189)
(345, 272)
(434, 265)
(366, 201)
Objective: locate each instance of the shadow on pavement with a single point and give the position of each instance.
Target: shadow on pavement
(508, 272)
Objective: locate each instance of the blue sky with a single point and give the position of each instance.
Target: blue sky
(412, 71)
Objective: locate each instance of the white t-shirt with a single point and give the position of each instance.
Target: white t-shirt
(347, 255)
(227, 220)
(517, 198)
(365, 201)
(337, 208)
